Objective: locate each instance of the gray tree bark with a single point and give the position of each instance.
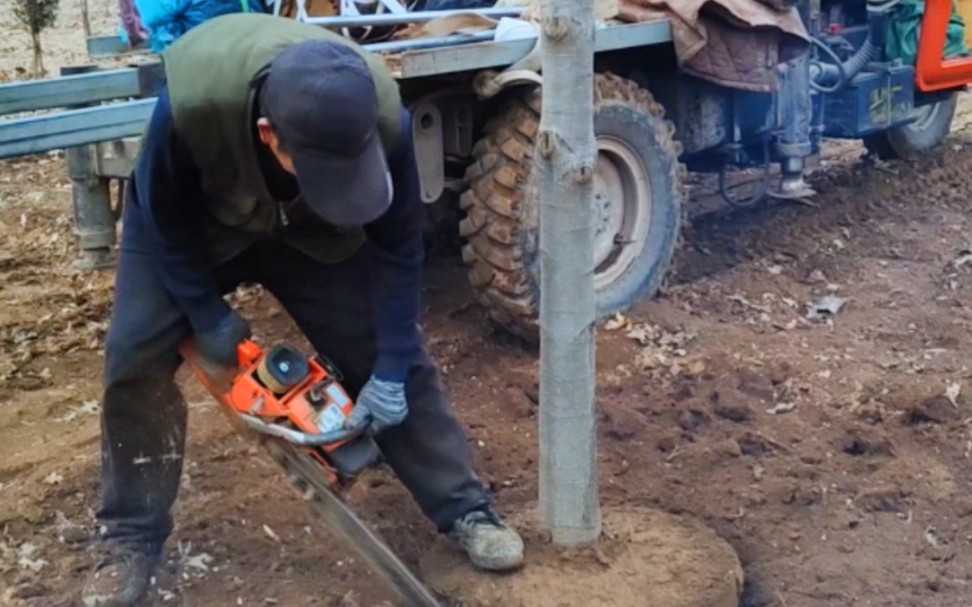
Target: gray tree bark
(85, 18)
(35, 43)
(569, 502)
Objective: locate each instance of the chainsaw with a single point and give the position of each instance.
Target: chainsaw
(296, 408)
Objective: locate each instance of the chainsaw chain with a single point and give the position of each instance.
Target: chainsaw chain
(306, 474)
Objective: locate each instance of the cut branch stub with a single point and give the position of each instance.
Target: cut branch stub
(555, 27)
(546, 143)
(582, 173)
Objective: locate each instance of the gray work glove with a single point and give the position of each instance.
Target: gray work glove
(380, 405)
(218, 345)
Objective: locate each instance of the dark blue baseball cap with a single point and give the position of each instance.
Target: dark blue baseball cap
(323, 105)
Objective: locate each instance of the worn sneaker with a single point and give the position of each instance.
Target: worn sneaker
(490, 544)
(121, 579)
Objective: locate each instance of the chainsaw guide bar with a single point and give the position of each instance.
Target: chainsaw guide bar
(305, 473)
(257, 395)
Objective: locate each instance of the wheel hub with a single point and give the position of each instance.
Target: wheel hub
(924, 116)
(622, 210)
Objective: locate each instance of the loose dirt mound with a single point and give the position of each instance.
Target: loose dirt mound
(645, 557)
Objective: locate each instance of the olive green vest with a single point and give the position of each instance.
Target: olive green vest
(210, 74)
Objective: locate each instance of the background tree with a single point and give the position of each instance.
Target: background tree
(85, 18)
(36, 16)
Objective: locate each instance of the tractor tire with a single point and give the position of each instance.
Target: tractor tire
(638, 205)
(932, 125)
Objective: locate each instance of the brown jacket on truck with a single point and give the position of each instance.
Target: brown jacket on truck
(734, 43)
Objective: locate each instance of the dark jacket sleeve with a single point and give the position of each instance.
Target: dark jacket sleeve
(166, 187)
(397, 247)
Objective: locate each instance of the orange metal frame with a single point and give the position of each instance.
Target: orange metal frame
(933, 72)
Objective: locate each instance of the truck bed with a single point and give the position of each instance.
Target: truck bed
(490, 55)
(124, 117)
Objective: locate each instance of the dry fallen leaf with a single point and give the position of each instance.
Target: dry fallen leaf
(648, 359)
(199, 562)
(827, 306)
(89, 407)
(643, 334)
(963, 258)
(25, 558)
(952, 392)
(34, 565)
(271, 533)
(696, 367)
(781, 408)
(616, 323)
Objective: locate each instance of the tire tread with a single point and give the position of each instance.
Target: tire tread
(496, 181)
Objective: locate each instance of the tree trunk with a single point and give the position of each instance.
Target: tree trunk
(85, 18)
(38, 54)
(566, 152)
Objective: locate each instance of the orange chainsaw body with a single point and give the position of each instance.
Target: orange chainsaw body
(316, 397)
(303, 410)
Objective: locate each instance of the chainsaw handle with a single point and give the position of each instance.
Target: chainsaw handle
(248, 352)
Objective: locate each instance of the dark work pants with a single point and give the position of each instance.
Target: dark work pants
(144, 415)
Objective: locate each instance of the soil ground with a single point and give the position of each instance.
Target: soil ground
(643, 557)
(831, 453)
